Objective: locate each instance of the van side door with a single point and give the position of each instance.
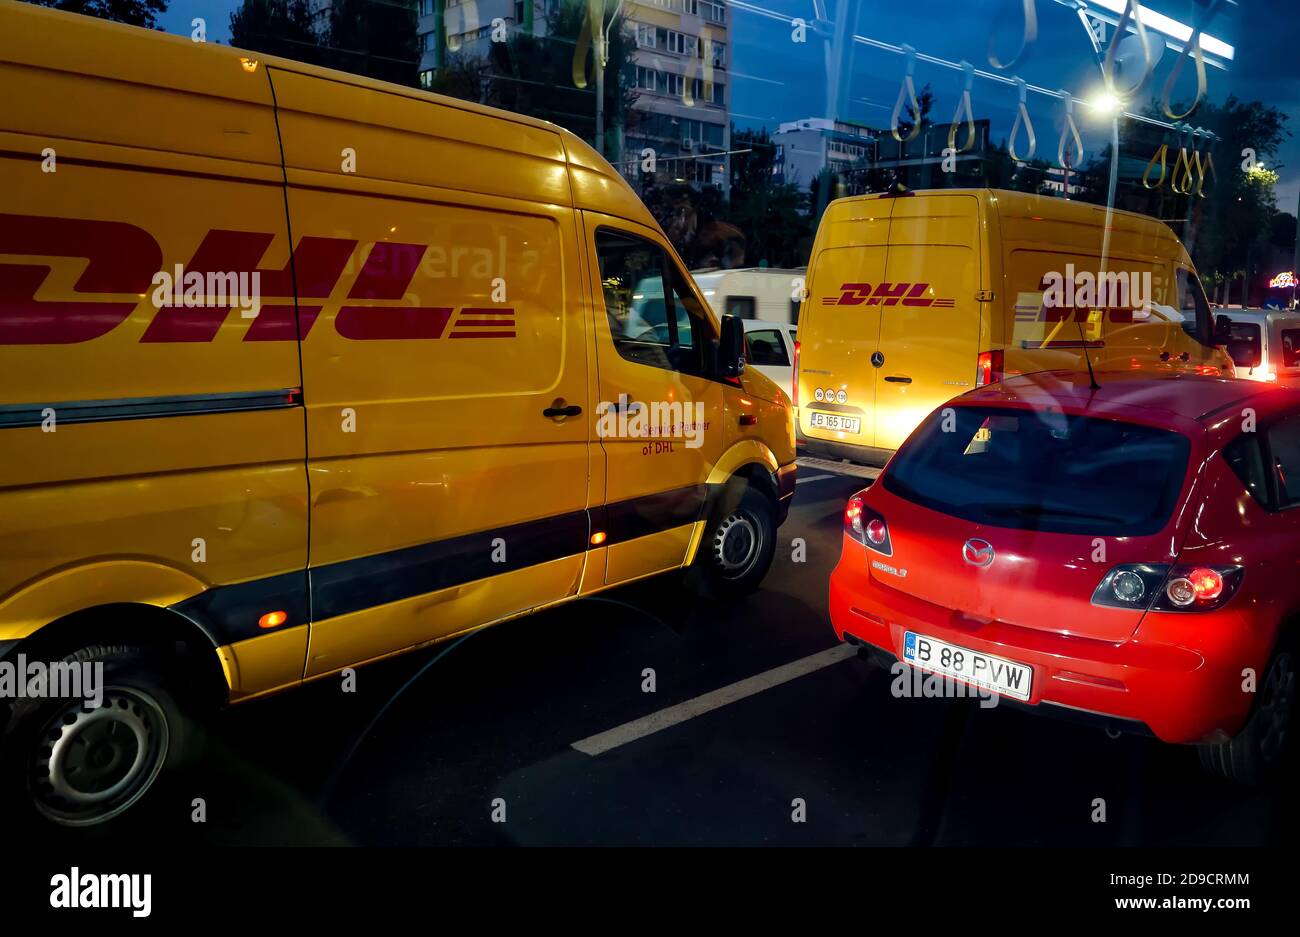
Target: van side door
(660, 415)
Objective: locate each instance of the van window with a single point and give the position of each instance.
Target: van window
(1284, 448)
(1291, 348)
(649, 325)
(741, 306)
(1244, 344)
(764, 346)
(1042, 470)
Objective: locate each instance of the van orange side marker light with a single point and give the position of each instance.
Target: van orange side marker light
(250, 65)
(273, 619)
(598, 538)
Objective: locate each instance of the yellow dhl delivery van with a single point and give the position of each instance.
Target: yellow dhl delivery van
(916, 297)
(299, 370)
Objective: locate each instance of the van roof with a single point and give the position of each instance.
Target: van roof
(704, 271)
(600, 187)
(1257, 314)
(1011, 202)
(1192, 396)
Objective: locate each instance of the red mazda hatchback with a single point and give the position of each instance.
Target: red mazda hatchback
(1128, 553)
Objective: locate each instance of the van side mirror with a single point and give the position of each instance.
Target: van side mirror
(1222, 330)
(731, 347)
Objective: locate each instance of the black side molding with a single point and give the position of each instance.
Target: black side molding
(16, 415)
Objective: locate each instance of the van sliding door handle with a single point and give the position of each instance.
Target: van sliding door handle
(553, 412)
(898, 379)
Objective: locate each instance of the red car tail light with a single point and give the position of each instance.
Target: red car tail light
(1157, 587)
(866, 526)
(988, 368)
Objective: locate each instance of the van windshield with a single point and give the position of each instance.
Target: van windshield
(1042, 470)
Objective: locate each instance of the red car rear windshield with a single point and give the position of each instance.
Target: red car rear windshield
(1042, 470)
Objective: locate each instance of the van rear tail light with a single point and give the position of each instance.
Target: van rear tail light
(1158, 587)
(988, 369)
(866, 526)
(794, 390)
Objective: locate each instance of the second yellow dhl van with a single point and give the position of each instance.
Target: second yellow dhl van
(299, 370)
(915, 297)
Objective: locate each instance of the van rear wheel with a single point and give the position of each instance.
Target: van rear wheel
(737, 549)
(1259, 751)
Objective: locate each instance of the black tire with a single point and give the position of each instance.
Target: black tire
(738, 546)
(1266, 743)
(74, 764)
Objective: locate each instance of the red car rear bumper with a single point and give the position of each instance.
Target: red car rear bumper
(1181, 675)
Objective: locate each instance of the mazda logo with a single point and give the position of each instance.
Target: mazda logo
(977, 552)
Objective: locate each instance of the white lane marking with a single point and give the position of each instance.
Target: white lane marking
(674, 715)
(813, 478)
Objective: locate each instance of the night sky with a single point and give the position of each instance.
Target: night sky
(775, 79)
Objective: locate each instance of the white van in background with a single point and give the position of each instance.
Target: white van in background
(770, 350)
(1264, 343)
(767, 293)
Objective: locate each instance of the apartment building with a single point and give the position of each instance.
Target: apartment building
(813, 144)
(683, 102)
(679, 68)
(467, 26)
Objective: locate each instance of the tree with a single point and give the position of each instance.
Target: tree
(277, 27)
(1228, 231)
(773, 215)
(535, 75)
(134, 12)
(375, 38)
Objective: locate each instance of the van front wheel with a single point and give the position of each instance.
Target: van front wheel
(737, 548)
(82, 762)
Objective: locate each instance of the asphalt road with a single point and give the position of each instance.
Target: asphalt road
(433, 744)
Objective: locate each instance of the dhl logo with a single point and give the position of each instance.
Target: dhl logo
(123, 259)
(885, 294)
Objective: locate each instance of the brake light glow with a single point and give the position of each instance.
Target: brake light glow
(866, 526)
(1206, 583)
(853, 514)
(988, 369)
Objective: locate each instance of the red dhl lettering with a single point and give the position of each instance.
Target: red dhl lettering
(123, 259)
(885, 294)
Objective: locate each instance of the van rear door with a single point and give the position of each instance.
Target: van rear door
(928, 311)
(840, 326)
